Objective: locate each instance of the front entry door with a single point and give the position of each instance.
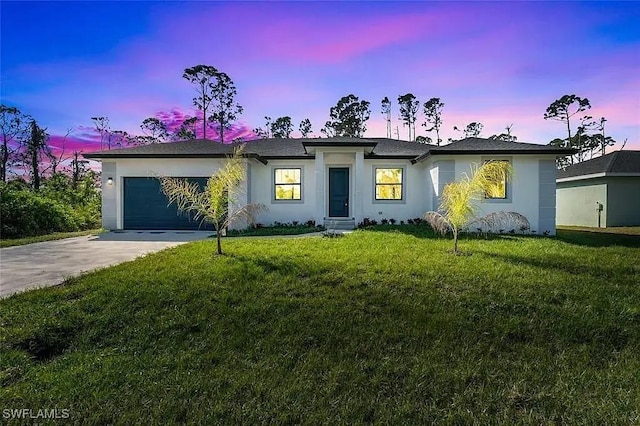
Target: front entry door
(338, 192)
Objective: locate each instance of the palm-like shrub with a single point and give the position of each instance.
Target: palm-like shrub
(458, 202)
(223, 189)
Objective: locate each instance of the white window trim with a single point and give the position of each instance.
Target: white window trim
(403, 200)
(273, 184)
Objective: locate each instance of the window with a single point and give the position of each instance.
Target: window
(389, 183)
(498, 188)
(288, 184)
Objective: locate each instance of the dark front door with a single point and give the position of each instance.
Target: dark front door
(339, 192)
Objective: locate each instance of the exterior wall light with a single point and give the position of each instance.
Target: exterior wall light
(109, 181)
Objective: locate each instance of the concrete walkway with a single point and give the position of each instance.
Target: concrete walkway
(51, 262)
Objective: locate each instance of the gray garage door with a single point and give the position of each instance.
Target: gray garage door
(145, 207)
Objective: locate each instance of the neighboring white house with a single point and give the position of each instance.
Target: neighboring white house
(601, 192)
(332, 181)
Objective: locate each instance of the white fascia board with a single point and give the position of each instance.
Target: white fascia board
(596, 175)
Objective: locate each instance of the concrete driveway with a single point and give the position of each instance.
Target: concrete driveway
(51, 262)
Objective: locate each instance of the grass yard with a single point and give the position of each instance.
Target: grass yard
(47, 237)
(373, 327)
(625, 230)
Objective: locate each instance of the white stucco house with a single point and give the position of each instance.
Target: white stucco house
(601, 192)
(336, 181)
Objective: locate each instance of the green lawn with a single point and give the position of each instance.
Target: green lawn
(373, 327)
(48, 237)
(628, 230)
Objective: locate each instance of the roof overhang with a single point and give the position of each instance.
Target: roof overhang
(332, 146)
(595, 176)
(435, 152)
(107, 156)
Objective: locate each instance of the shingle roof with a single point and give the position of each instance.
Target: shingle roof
(614, 162)
(297, 148)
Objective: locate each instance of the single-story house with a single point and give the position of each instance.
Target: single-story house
(601, 192)
(333, 181)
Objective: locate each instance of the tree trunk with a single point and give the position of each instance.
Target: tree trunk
(437, 137)
(455, 240)
(218, 236)
(4, 159)
(221, 131)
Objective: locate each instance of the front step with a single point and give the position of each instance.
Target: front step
(342, 224)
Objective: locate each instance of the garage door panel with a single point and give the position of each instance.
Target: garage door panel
(146, 207)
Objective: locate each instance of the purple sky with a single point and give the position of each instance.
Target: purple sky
(498, 63)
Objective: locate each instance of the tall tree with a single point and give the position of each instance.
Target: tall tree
(14, 127)
(305, 127)
(472, 130)
(604, 141)
(433, 117)
(564, 109)
(103, 128)
(155, 129)
(386, 111)
(408, 112)
(35, 151)
(225, 107)
(507, 136)
(187, 130)
(203, 78)
(348, 117)
(282, 127)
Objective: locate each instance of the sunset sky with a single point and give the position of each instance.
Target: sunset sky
(498, 63)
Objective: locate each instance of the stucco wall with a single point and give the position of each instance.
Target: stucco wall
(623, 201)
(423, 182)
(109, 196)
(262, 191)
(523, 188)
(576, 202)
(416, 192)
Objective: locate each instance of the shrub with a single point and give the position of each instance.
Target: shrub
(25, 213)
(57, 207)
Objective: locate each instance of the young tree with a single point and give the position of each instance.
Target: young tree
(155, 129)
(305, 127)
(386, 111)
(433, 116)
(203, 78)
(14, 127)
(348, 117)
(458, 203)
(212, 205)
(225, 107)
(408, 112)
(282, 127)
